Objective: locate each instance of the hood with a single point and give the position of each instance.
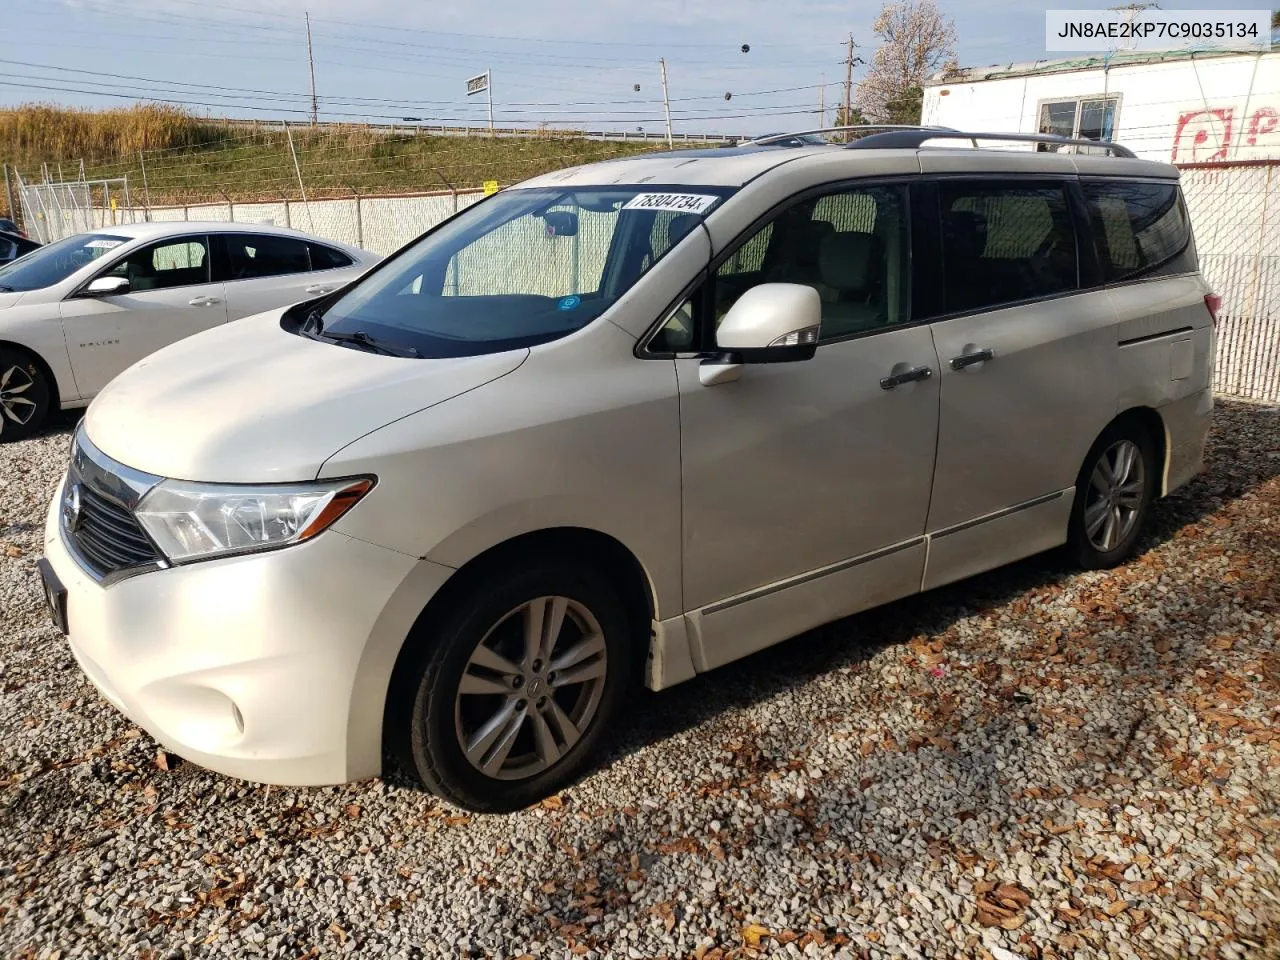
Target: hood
(250, 403)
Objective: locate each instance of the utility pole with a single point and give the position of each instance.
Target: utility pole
(848, 87)
(489, 85)
(311, 64)
(822, 101)
(666, 100)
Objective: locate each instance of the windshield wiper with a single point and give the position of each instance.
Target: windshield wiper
(313, 329)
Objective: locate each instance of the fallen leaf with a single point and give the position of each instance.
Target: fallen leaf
(353, 810)
(1116, 908)
(338, 932)
(162, 760)
(552, 803)
(1090, 803)
(13, 551)
(752, 933)
(1145, 886)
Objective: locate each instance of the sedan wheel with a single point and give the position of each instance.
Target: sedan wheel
(24, 396)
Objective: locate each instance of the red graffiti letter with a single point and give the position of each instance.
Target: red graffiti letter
(1263, 121)
(1216, 121)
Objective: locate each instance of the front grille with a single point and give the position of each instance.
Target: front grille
(108, 537)
(97, 520)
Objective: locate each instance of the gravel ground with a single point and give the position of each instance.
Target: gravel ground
(1029, 764)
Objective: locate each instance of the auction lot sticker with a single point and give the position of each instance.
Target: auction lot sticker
(676, 202)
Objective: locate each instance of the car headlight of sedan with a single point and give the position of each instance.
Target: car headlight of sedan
(197, 521)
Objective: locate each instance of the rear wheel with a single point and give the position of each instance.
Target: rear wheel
(517, 687)
(24, 396)
(1113, 497)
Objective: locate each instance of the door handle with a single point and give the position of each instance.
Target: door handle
(898, 379)
(969, 359)
(204, 302)
(317, 288)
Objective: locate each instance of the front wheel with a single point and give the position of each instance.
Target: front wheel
(518, 686)
(1113, 497)
(24, 396)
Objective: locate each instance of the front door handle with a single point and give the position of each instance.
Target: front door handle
(907, 376)
(317, 288)
(204, 302)
(969, 359)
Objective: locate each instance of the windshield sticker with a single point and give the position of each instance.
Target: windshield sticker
(103, 244)
(570, 302)
(678, 202)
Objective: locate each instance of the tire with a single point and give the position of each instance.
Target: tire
(1108, 516)
(514, 711)
(25, 396)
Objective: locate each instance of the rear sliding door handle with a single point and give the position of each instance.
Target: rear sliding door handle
(969, 359)
(907, 376)
(203, 302)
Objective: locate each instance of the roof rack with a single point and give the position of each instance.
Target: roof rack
(912, 137)
(774, 138)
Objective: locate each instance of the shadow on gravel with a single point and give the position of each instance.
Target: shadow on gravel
(1231, 471)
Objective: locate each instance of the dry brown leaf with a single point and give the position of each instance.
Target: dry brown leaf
(1090, 803)
(353, 810)
(162, 760)
(1013, 896)
(552, 803)
(752, 934)
(1116, 908)
(13, 551)
(1145, 886)
(338, 932)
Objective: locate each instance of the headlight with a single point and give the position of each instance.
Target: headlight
(196, 521)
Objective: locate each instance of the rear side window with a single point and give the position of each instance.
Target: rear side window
(252, 255)
(1002, 243)
(1137, 226)
(327, 258)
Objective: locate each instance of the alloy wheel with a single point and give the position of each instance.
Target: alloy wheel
(531, 688)
(14, 406)
(1113, 504)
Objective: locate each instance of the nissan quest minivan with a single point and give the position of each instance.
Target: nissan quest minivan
(622, 424)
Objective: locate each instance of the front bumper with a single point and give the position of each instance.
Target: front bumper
(271, 667)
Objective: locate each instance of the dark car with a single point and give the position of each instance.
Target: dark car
(13, 245)
(11, 226)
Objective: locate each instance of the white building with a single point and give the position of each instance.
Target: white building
(1181, 107)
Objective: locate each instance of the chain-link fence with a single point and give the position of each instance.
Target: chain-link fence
(52, 211)
(380, 224)
(1235, 212)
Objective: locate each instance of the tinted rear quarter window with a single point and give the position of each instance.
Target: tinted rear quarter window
(263, 255)
(327, 258)
(1137, 226)
(1002, 243)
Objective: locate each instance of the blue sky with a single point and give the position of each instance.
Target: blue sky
(568, 62)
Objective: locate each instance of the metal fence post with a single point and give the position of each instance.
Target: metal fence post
(359, 218)
(8, 195)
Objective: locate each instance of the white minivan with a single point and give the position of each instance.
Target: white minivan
(622, 424)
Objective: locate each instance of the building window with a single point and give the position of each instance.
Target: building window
(1085, 118)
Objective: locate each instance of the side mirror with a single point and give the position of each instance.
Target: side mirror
(561, 223)
(106, 286)
(770, 323)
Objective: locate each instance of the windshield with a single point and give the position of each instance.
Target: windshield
(521, 268)
(55, 262)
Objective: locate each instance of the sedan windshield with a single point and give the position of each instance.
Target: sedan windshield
(55, 262)
(521, 268)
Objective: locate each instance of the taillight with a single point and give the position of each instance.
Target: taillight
(1214, 302)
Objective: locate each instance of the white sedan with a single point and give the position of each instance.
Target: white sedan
(78, 311)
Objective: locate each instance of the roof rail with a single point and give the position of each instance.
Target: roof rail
(781, 137)
(912, 138)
